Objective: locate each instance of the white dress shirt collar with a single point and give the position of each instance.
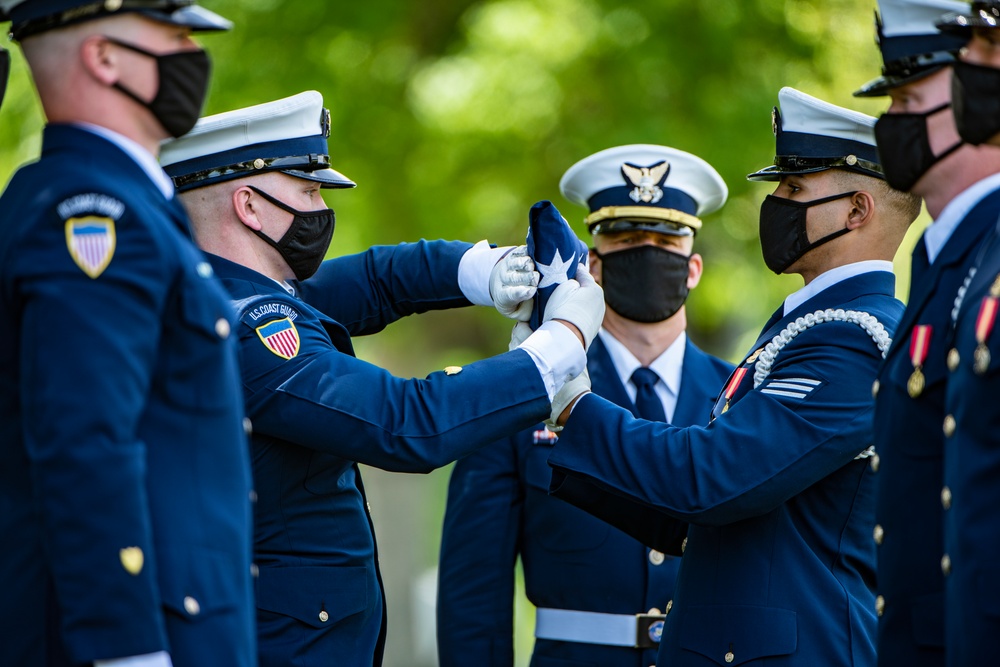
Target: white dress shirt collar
(668, 366)
(145, 159)
(832, 277)
(957, 209)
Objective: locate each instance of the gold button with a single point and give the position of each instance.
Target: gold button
(132, 560)
(452, 370)
(730, 657)
(851, 160)
(253, 496)
(112, 5)
(254, 570)
(258, 163)
(946, 565)
(222, 328)
(946, 498)
(670, 605)
(684, 544)
(655, 611)
(879, 605)
(878, 534)
(875, 386)
(655, 557)
(247, 426)
(323, 616)
(949, 426)
(953, 359)
(191, 606)
(875, 462)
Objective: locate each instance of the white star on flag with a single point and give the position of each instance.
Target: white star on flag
(554, 273)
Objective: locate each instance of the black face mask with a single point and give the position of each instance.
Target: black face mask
(181, 93)
(975, 98)
(644, 284)
(783, 236)
(305, 243)
(905, 148)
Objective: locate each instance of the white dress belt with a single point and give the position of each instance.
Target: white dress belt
(592, 627)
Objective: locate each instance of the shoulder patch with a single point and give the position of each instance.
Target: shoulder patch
(280, 337)
(92, 203)
(255, 312)
(91, 243)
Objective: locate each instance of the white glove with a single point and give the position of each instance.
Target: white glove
(513, 283)
(576, 387)
(518, 335)
(579, 302)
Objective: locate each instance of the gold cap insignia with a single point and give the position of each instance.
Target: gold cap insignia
(452, 370)
(647, 181)
(132, 560)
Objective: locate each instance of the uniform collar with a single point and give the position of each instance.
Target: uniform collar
(146, 160)
(831, 278)
(668, 365)
(954, 212)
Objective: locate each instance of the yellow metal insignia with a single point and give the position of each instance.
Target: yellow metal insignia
(132, 560)
(753, 357)
(452, 370)
(91, 243)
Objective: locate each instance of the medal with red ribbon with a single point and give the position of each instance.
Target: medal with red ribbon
(734, 384)
(984, 327)
(920, 344)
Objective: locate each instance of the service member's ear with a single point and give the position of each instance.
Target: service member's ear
(595, 265)
(862, 210)
(245, 203)
(99, 59)
(695, 267)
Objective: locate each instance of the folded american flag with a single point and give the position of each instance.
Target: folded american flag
(556, 251)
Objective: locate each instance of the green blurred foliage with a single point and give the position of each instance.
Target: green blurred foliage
(455, 116)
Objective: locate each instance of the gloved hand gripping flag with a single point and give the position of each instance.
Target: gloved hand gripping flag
(556, 251)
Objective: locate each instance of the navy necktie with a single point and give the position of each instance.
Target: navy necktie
(647, 402)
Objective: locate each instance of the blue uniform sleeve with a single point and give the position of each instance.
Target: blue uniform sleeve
(770, 446)
(479, 547)
(89, 347)
(302, 389)
(370, 290)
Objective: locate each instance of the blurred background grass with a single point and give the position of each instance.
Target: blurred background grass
(455, 116)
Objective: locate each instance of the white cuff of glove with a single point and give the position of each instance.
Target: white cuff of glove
(158, 659)
(570, 391)
(557, 354)
(474, 271)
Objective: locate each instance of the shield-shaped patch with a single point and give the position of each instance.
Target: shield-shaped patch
(281, 337)
(91, 243)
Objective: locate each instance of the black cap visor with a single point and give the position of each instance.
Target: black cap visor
(795, 166)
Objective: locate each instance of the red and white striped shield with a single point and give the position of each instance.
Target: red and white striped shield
(281, 337)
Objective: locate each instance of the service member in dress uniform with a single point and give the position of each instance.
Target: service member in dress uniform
(922, 153)
(125, 484)
(251, 180)
(970, 496)
(773, 501)
(599, 593)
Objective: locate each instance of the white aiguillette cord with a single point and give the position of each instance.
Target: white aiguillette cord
(869, 323)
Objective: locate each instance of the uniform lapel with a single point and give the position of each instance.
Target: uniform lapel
(604, 378)
(693, 401)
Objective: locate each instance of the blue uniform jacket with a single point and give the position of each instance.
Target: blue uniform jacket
(124, 488)
(499, 508)
(779, 560)
(910, 440)
(971, 495)
(317, 411)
